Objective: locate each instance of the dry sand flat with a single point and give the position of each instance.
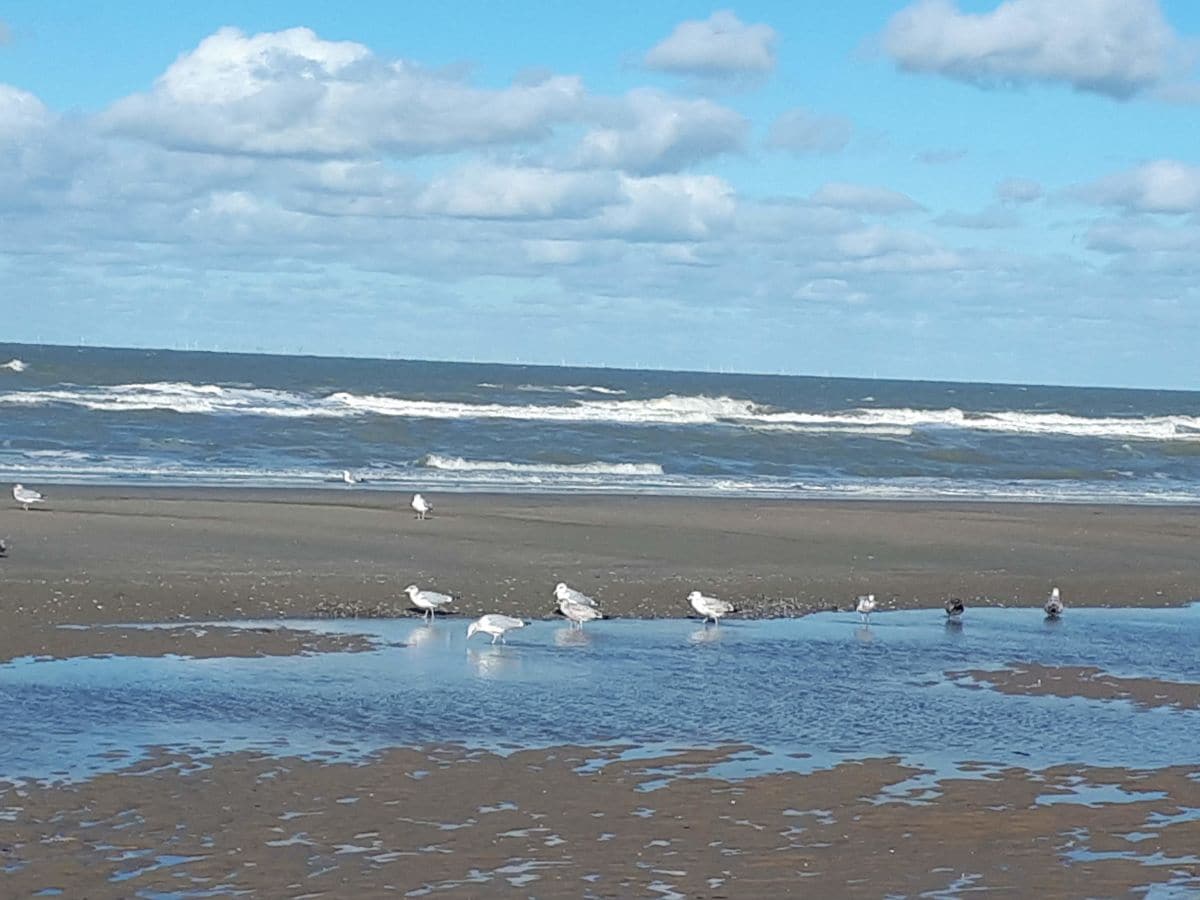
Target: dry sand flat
(464, 824)
(1083, 681)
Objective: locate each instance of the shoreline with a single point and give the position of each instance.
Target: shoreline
(121, 554)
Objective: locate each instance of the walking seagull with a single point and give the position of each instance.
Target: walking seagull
(25, 496)
(955, 609)
(709, 607)
(422, 506)
(1054, 606)
(578, 613)
(866, 606)
(495, 625)
(562, 592)
(429, 602)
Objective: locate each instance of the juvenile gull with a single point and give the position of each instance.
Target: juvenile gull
(422, 506)
(429, 602)
(709, 607)
(562, 592)
(1054, 606)
(955, 608)
(25, 496)
(866, 606)
(494, 624)
(578, 613)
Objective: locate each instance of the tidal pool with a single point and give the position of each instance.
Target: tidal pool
(804, 693)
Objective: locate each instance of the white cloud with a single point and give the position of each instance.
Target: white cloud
(863, 198)
(649, 132)
(720, 45)
(1018, 190)
(290, 93)
(672, 208)
(986, 219)
(508, 192)
(1112, 47)
(802, 131)
(877, 248)
(20, 112)
(1161, 186)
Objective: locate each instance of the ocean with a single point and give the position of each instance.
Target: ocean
(160, 417)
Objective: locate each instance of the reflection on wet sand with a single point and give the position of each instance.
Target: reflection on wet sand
(493, 662)
(573, 821)
(571, 637)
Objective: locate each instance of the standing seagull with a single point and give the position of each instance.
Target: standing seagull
(562, 592)
(494, 624)
(1054, 606)
(578, 613)
(3, 547)
(709, 607)
(25, 496)
(422, 506)
(955, 609)
(866, 606)
(429, 602)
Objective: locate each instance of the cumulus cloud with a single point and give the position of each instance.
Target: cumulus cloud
(290, 93)
(803, 132)
(863, 198)
(508, 192)
(1018, 190)
(1112, 47)
(650, 132)
(877, 248)
(721, 45)
(672, 208)
(1160, 186)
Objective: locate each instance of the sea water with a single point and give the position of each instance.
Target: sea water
(803, 693)
(162, 417)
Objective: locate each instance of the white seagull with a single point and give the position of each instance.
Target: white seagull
(578, 613)
(562, 592)
(422, 506)
(494, 624)
(866, 606)
(709, 607)
(429, 602)
(349, 477)
(1054, 606)
(25, 496)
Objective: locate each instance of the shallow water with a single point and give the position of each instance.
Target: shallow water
(806, 693)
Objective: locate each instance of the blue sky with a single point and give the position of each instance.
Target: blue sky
(932, 189)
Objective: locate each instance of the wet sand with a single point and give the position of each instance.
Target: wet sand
(147, 555)
(461, 824)
(1083, 681)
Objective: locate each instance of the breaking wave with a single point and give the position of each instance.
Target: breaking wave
(15, 365)
(670, 410)
(458, 464)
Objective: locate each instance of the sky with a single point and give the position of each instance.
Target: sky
(942, 189)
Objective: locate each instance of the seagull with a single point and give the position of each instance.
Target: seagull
(25, 496)
(422, 506)
(578, 613)
(709, 607)
(562, 592)
(3, 547)
(429, 602)
(955, 609)
(495, 625)
(1054, 606)
(349, 477)
(866, 606)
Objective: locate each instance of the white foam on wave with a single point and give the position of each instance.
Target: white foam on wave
(458, 464)
(671, 409)
(15, 365)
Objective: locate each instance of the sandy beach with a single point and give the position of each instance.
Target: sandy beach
(571, 821)
(112, 555)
